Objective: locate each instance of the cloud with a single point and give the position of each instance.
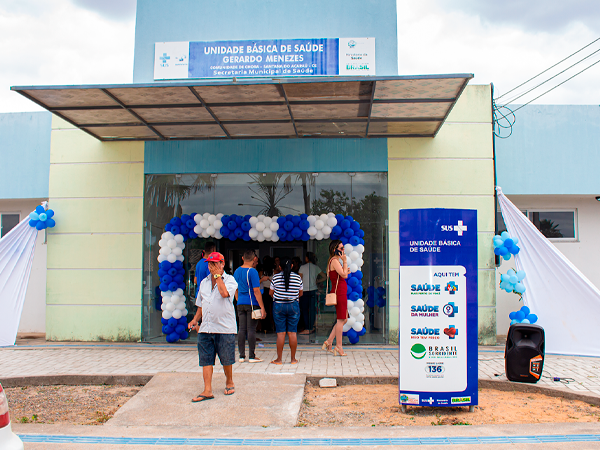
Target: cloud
(123, 10)
(532, 15)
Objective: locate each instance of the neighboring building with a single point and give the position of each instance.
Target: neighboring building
(24, 174)
(548, 168)
(113, 198)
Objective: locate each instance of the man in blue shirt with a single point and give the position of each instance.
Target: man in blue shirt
(248, 298)
(202, 267)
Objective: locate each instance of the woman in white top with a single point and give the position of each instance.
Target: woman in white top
(286, 289)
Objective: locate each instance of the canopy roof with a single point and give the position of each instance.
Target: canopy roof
(399, 106)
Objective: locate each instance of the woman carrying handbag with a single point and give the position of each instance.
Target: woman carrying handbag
(337, 270)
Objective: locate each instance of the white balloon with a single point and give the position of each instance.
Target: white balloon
(174, 299)
(164, 236)
(362, 309)
(356, 327)
(261, 218)
(211, 230)
(274, 226)
(162, 307)
(205, 234)
(204, 223)
(274, 218)
(166, 294)
(212, 218)
(206, 215)
(172, 243)
(165, 251)
(253, 220)
(261, 237)
(162, 243)
(179, 292)
(354, 256)
(161, 258)
(331, 214)
(319, 224)
(346, 327)
(168, 235)
(359, 262)
(350, 305)
(326, 230)
(353, 267)
(351, 321)
(311, 231)
(177, 258)
(198, 218)
(218, 224)
(167, 315)
(323, 218)
(361, 248)
(360, 303)
(177, 314)
(319, 236)
(274, 238)
(311, 220)
(331, 222)
(180, 306)
(170, 306)
(253, 233)
(267, 233)
(218, 234)
(348, 249)
(220, 215)
(354, 311)
(360, 318)
(198, 229)
(178, 238)
(181, 245)
(260, 226)
(184, 312)
(267, 220)
(176, 251)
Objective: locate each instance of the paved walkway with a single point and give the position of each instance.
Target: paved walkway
(582, 373)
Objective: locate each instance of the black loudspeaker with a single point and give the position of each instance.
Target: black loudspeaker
(524, 353)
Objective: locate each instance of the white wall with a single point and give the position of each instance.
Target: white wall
(33, 318)
(583, 253)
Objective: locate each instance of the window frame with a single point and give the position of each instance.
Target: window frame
(530, 211)
(8, 213)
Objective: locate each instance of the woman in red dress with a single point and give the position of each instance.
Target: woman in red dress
(338, 271)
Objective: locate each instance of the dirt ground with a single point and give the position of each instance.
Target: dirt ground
(377, 405)
(75, 405)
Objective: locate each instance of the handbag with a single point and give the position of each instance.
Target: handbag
(331, 298)
(256, 313)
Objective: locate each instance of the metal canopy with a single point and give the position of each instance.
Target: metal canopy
(400, 106)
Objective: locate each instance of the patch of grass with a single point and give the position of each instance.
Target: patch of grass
(460, 422)
(102, 417)
(31, 419)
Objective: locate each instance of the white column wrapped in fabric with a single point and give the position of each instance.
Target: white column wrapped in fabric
(565, 301)
(16, 257)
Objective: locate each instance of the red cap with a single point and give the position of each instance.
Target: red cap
(215, 257)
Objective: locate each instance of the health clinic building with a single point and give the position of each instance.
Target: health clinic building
(118, 162)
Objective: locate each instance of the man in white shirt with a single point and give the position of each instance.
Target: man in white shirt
(216, 335)
(311, 275)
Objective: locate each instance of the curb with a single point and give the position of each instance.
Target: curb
(76, 380)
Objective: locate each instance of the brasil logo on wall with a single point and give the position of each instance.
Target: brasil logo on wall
(418, 351)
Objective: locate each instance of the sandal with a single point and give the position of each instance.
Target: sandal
(230, 390)
(327, 347)
(296, 361)
(201, 398)
(279, 363)
(338, 352)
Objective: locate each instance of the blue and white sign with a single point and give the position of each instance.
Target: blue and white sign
(438, 307)
(264, 58)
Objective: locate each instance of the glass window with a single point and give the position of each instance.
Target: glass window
(8, 222)
(361, 195)
(500, 221)
(555, 224)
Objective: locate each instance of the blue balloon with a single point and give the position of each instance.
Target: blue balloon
(362, 332)
(525, 320)
(514, 250)
(506, 257)
(232, 225)
(168, 227)
(289, 217)
(508, 243)
(353, 282)
(381, 302)
(525, 310)
(163, 287)
(238, 233)
(40, 209)
(173, 286)
(348, 232)
(288, 225)
(304, 225)
(170, 338)
(225, 220)
(303, 216)
(305, 236)
(40, 225)
(184, 335)
(167, 329)
(166, 279)
(225, 230)
(178, 265)
(281, 233)
(354, 240)
(358, 274)
(178, 278)
(512, 315)
(182, 320)
(353, 339)
(247, 218)
(350, 218)
(164, 321)
(296, 233)
(34, 216)
(532, 318)
(354, 296)
(337, 230)
(179, 329)
(296, 220)
(239, 220)
(33, 223)
(339, 218)
(344, 333)
(185, 218)
(174, 337)
(355, 226)
(281, 220)
(172, 271)
(193, 234)
(370, 303)
(246, 226)
(184, 230)
(172, 322)
(520, 316)
(512, 322)
(175, 229)
(344, 240)
(362, 241)
(352, 333)
(345, 224)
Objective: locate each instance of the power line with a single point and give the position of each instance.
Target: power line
(543, 82)
(556, 86)
(522, 84)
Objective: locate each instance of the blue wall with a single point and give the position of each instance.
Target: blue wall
(210, 20)
(25, 155)
(266, 155)
(554, 149)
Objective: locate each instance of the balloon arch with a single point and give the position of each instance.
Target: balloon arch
(260, 228)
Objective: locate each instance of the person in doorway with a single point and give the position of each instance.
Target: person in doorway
(311, 275)
(216, 334)
(248, 298)
(277, 268)
(296, 263)
(337, 268)
(265, 275)
(202, 271)
(286, 289)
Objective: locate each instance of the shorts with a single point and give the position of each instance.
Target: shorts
(286, 317)
(212, 344)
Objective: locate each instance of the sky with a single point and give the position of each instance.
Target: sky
(63, 42)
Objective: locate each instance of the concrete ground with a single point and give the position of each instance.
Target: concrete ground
(233, 422)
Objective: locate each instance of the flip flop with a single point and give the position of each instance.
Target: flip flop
(229, 390)
(295, 362)
(202, 398)
(277, 363)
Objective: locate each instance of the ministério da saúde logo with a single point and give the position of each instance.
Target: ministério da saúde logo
(418, 351)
